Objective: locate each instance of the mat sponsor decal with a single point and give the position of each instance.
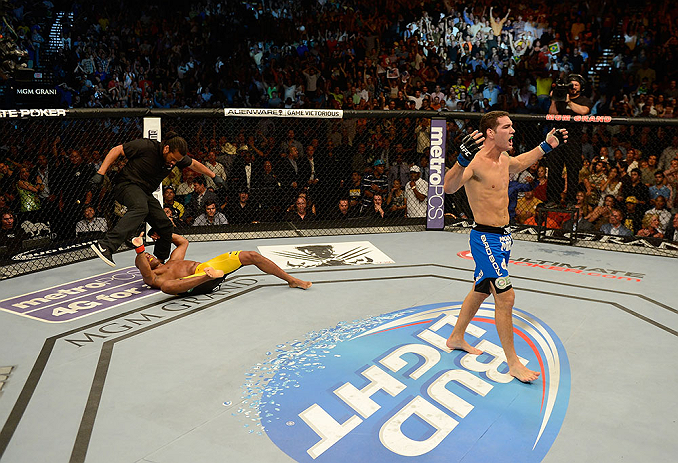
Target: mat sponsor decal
(325, 254)
(80, 298)
(388, 389)
(566, 267)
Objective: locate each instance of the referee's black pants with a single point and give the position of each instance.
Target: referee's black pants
(140, 207)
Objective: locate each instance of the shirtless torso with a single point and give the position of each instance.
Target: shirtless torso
(487, 189)
(172, 270)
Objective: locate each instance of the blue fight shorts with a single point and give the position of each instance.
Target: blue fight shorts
(491, 250)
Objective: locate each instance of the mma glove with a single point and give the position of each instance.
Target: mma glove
(218, 181)
(467, 151)
(96, 179)
(545, 147)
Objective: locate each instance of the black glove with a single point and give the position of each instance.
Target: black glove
(218, 181)
(96, 179)
(468, 149)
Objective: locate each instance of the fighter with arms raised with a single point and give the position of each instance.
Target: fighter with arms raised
(483, 168)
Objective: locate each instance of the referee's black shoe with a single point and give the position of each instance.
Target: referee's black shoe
(103, 253)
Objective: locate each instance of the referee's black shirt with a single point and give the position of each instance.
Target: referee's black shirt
(146, 165)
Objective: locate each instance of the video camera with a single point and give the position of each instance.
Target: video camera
(560, 90)
(562, 87)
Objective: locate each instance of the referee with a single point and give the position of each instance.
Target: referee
(148, 163)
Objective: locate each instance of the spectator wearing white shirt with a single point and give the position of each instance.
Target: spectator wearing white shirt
(415, 193)
(215, 167)
(210, 216)
(90, 224)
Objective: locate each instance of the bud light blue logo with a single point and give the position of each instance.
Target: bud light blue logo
(388, 389)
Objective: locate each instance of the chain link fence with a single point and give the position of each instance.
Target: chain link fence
(326, 173)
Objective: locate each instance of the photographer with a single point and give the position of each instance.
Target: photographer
(567, 99)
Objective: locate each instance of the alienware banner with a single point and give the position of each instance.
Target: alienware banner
(435, 211)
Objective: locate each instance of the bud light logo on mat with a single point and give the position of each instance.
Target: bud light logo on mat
(392, 391)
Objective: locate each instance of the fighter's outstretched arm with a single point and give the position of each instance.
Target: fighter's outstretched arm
(523, 161)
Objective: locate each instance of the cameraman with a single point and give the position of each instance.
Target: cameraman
(567, 99)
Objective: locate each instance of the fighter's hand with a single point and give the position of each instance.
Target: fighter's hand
(218, 181)
(138, 240)
(470, 145)
(556, 137)
(96, 179)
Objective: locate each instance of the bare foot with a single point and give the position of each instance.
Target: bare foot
(523, 373)
(297, 283)
(462, 345)
(213, 273)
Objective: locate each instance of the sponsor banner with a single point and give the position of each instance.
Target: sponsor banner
(435, 210)
(325, 254)
(649, 243)
(21, 113)
(585, 270)
(80, 298)
(392, 391)
(578, 118)
(273, 112)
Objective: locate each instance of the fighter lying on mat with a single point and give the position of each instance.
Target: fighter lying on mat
(187, 277)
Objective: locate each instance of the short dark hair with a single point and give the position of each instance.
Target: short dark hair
(200, 180)
(489, 121)
(176, 143)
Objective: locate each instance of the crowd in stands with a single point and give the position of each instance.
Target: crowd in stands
(396, 54)
(384, 54)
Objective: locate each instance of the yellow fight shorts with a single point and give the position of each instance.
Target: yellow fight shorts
(228, 263)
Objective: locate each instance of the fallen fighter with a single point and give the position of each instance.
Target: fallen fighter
(186, 277)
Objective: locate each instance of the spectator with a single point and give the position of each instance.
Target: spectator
(377, 210)
(661, 212)
(170, 202)
(637, 189)
(651, 227)
(615, 226)
(647, 170)
(210, 216)
(90, 224)
(199, 199)
(611, 186)
(601, 214)
(594, 183)
(661, 188)
(11, 235)
(396, 203)
(343, 211)
(29, 200)
(514, 189)
(373, 183)
(300, 212)
(215, 167)
(526, 207)
(634, 216)
(672, 230)
(416, 192)
(242, 211)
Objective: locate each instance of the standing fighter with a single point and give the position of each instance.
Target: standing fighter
(188, 277)
(483, 167)
(148, 163)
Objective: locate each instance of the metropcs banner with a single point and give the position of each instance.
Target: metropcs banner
(387, 389)
(435, 210)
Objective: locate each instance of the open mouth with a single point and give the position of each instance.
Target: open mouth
(510, 140)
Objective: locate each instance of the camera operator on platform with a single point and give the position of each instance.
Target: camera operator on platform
(567, 99)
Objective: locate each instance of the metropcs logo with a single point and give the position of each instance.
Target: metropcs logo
(396, 393)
